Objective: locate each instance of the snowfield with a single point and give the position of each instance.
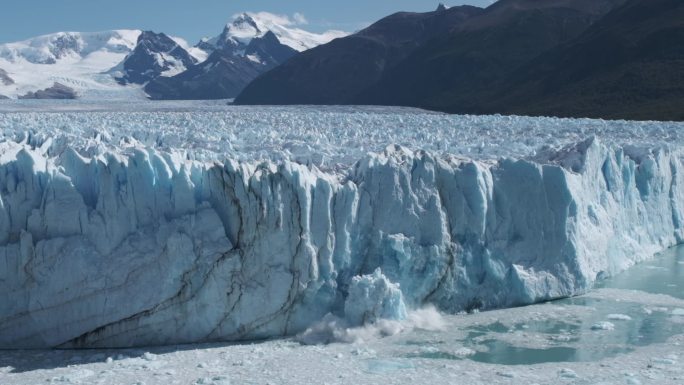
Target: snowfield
(154, 227)
(74, 59)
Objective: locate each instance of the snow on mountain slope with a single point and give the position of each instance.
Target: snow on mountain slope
(74, 59)
(108, 242)
(244, 27)
(155, 54)
(85, 62)
(49, 49)
(199, 54)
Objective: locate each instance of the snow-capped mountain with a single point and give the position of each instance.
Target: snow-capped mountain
(225, 73)
(74, 59)
(249, 25)
(250, 45)
(118, 64)
(53, 48)
(155, 54)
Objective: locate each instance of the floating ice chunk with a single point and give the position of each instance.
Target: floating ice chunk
(619, 317)
(567, 373)
(464, 352)
(678, 312)
(651, 310)
(76, 376)
(664, 361)
(364, 352)
(605, 325)
(217, 380)
(378, 366)
(372, 298)
(506, 374)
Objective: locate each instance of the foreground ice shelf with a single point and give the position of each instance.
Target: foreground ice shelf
(142, 247)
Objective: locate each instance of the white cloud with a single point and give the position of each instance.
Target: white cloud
(274, 18)
(299, 19)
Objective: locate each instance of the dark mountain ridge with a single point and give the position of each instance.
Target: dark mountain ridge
(224, 74)
(595, 58)
(636, 69)
(464, 68)
(154, 54)
(336, 72)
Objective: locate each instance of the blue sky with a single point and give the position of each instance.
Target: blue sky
(189, 19)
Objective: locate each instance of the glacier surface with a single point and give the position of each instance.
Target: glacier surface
(115, 233)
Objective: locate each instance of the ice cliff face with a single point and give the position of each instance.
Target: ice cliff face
(143, 247)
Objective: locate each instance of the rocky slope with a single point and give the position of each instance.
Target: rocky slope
(609, 59)
(225, 73)
(155, 55)
(57, 91)
(5, 79)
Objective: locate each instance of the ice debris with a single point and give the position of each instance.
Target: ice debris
(373, 297)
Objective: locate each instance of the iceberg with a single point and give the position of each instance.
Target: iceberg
(142, 246)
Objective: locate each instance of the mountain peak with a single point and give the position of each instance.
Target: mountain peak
(156, 54)
(239, 32)
(441, 7)
(244, 21)
(243, 27)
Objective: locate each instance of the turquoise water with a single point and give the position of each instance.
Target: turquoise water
(582, 338)
(662, 275)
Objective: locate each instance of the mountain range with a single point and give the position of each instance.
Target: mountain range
(139, 64)
(618, 59)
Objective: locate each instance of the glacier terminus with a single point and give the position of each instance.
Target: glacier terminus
(116, 237)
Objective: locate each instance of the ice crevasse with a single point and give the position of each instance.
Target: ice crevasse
(143, 247)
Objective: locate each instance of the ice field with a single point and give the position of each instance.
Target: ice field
(365, 244)
(328, 137)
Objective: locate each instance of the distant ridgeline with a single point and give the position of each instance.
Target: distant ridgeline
(134, 64)
(615, 59)
(612, 59)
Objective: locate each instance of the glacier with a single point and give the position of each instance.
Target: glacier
(105, 245)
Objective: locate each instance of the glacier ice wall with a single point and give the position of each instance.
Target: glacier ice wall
(143, 247)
